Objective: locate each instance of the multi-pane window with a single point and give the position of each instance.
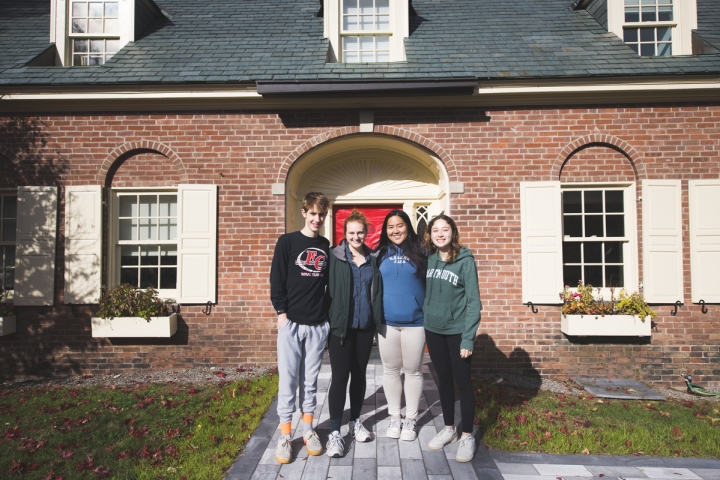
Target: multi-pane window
(595, 237)
(8, 222)
(649, 26)
(422, 217)
(147, 240)
(365, 31)
(94, 32)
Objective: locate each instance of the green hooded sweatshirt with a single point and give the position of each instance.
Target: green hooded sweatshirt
(452, 299)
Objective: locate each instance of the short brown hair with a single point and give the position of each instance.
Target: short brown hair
(357, 217)
(316, 199)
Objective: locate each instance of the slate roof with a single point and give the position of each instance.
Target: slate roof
(232, 41)
(709, 21)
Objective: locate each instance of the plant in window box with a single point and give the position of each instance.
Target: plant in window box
(128, 312)
(7, 314)
(585, 314)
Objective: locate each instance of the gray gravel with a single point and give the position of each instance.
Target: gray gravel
(214, 375)
(571, 388)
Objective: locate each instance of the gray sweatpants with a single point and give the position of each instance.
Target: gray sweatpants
(300, 351)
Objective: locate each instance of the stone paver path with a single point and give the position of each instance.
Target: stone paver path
(391, 459)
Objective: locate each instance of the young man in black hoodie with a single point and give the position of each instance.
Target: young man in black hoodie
(298, 281)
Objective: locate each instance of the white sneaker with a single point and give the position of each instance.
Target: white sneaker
(409, 430)
(335, 445)
(359, 431)
(312, 443)
(443, 437)
(283, 452)
(393, 430)
(466, 449)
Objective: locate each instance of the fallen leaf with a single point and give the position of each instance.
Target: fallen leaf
(585, 451)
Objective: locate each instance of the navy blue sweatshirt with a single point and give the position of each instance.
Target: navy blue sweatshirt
(403, 292)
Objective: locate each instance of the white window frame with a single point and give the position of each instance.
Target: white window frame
(5, 244)
(398, 32)
(104, 37)
(61, 29)
(683, 23)
(114, 256)
(629, 241)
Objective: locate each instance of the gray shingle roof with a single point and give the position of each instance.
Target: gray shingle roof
(709, 21)
(230, 41)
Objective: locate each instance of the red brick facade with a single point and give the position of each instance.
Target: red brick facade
(245, 153)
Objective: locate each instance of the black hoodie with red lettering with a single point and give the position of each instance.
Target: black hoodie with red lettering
(299, 277)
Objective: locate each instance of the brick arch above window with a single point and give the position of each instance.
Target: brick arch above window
(619, 145)
(385, 130)
(118, 156)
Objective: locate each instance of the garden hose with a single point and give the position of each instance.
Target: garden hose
(697, 389)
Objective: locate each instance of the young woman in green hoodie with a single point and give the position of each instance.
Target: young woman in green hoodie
(451, 318)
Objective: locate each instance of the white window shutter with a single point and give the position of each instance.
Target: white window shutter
(541, 228)
(197, 243)
(35, 248)
(83, 244)
(704, 196)
(662, 241)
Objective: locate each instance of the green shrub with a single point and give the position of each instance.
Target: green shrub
(125, 301)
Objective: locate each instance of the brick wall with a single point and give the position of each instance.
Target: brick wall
(245, 153)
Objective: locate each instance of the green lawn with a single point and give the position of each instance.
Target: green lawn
(149, 431)
(517, 420)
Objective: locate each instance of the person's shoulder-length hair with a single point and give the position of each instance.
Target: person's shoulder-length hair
(455, 244)
(411, 246)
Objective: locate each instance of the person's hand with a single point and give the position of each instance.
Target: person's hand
(282, 319)
(465, 353)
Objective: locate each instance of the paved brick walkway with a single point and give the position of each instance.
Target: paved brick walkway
(390, 459)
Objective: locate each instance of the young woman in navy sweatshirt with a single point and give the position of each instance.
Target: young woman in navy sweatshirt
(401, 339)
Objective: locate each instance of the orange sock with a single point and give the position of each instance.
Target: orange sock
(285, 428)
(307, 418)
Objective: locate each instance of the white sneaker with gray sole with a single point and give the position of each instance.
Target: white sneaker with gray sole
(409, 430)
(359, 431)
(335, 446)
(443, 437)
(393, 430)
(466, 449)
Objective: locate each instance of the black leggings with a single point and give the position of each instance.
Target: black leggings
(445, 355)
(349, 361)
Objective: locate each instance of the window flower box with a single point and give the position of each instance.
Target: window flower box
(7, 325)
(135, 327)
(605, 326)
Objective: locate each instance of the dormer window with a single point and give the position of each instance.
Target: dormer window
(366, 31)
(94, 31)
(90, 32)
(654, 28)
(648, 27)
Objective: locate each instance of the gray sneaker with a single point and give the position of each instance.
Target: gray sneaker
(335, 447)
(443, 437)
(409, 430)
(312, 443)
(393, 430)
(466, 449)
(283, 452)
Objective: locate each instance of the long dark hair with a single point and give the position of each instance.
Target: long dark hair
(411, 247)
(455, 243)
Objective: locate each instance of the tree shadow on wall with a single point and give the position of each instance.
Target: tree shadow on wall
(51, 338)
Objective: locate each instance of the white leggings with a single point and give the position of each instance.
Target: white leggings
(401, 348)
